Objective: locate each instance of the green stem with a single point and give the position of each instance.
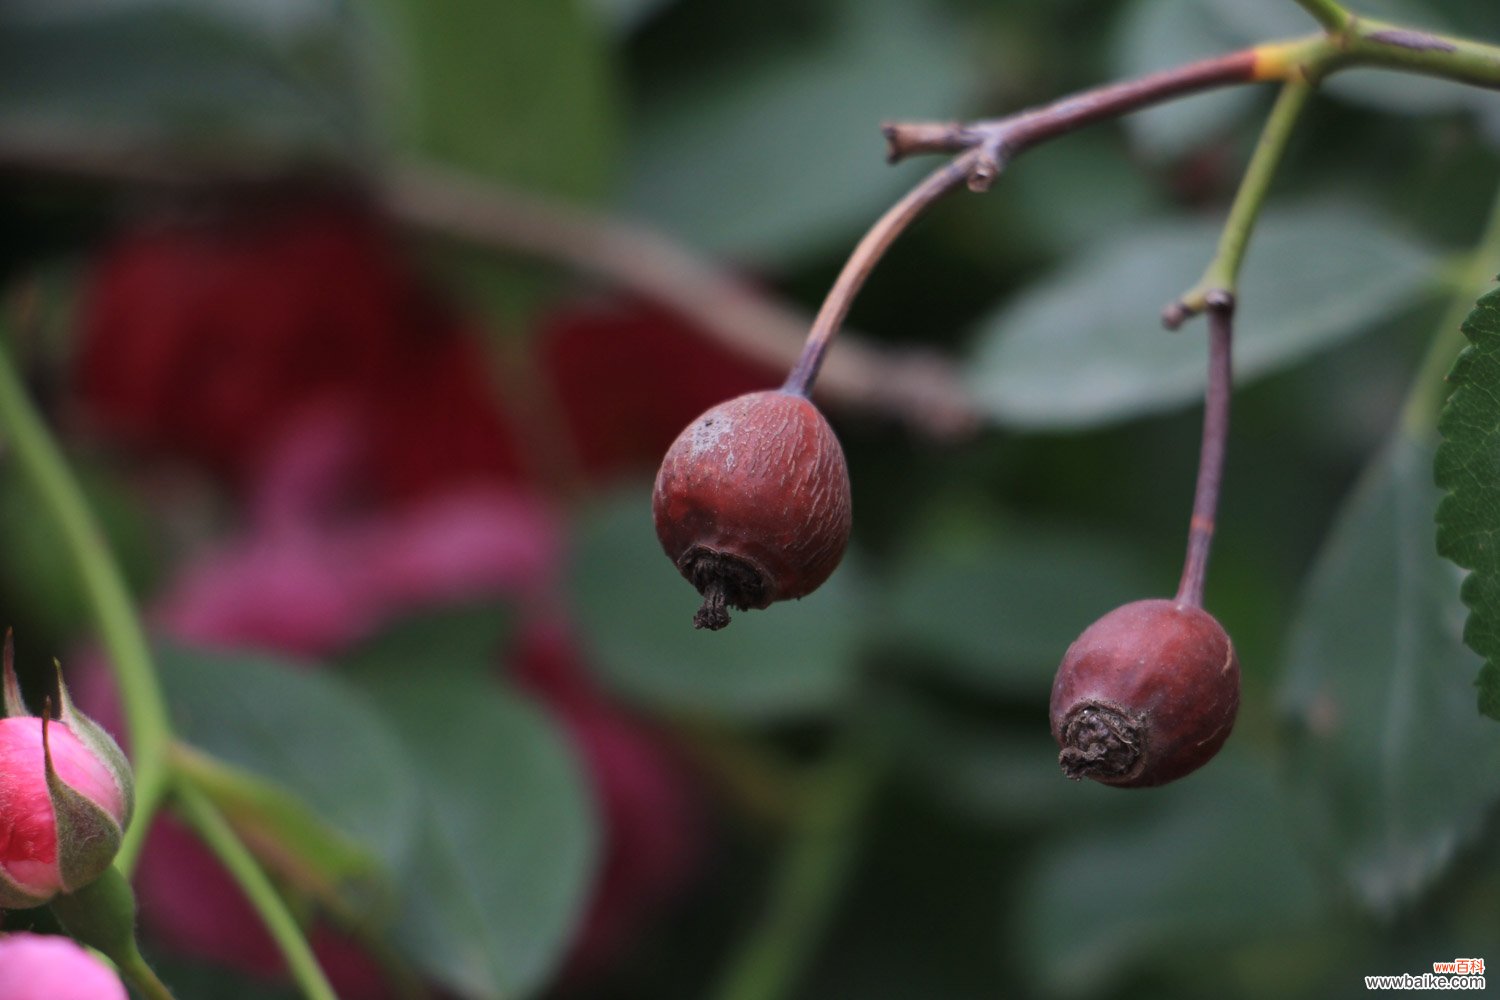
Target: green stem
(42, 463)
(809, 877)
(220, 837)
(143, 979)
(1419, 415)
(102, 915)
(1327, 13)
(1223, 272)
(1394, 46)
(1362, 41)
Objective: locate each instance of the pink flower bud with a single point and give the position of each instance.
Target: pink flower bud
(47, 967)
(65, 798)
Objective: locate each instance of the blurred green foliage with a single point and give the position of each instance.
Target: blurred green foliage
(1350, 827)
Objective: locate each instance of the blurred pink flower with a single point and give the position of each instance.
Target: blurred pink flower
(47, 967)
(315, 574)
(312, 575)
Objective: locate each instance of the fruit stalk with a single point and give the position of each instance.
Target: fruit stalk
(863, 260)
(1211, 454)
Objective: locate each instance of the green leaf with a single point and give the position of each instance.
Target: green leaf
(508, 843)
(1468, 470)
(190, 978)
(460, 637)
(518, 92)
(626, 16)
(188, 72)
(296, 843)
(636, 613)
(1395, 769)
(311, 736)
(1214, 860)
(996, 774)
(1061, 196)
(774, 150)
(1085, 346)
(996, 607)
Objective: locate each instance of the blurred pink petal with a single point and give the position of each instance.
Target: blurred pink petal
(299, 593)
(462, 546)
(307, 476)
(47, 967)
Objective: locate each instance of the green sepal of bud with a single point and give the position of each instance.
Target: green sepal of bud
(88, 838)
(102, 916)
(100, 743)
(13, 897)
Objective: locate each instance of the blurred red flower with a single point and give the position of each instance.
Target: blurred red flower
(203, 341)
(297, 356)
(630, 376)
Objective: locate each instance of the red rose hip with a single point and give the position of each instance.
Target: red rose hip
(1145, 695)
(752, 503)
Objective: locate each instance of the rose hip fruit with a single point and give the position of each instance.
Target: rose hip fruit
(1145, 695)
(752, 503)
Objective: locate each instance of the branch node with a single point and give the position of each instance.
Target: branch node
(1195, 302)
(988, 161)
(1219, 300)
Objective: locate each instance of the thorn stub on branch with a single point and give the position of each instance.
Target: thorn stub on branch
(893, 148)
(1176, 314)
(905, 139)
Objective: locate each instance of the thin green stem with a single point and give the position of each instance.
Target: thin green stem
(1223, 271)
(42, 462)
(1365, 42)
(102, 916)
(1420, 414)
(1393, 46)
(809, 878)
(221, 839)
(143, 979)
(1327, 13)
